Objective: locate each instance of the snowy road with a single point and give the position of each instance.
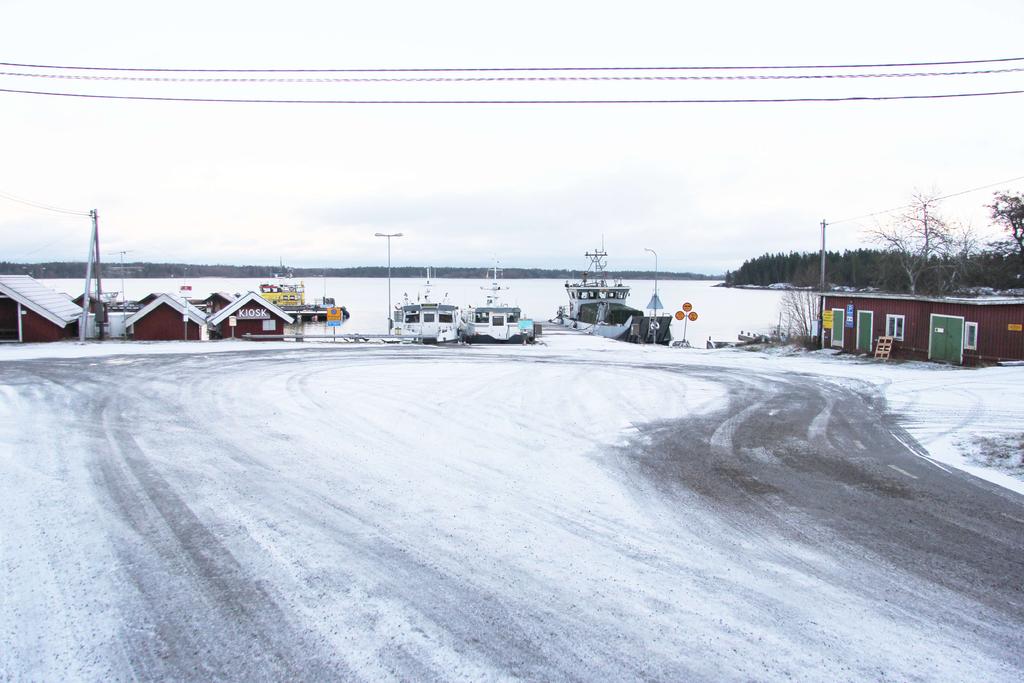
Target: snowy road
(545, 513)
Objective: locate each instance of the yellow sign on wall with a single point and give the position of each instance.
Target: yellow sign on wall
(1015, 327)
(826, 320)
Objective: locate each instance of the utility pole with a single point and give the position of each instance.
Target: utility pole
(93, 260)
(821, 286)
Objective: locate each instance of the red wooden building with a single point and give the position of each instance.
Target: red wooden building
(32, 312)
(164, 318)
(217, 301)
(252, 314)
(953, 330)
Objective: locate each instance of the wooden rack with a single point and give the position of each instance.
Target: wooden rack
(883, 347)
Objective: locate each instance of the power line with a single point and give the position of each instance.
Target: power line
(938, 199)
(224, 100)
(510, 79)
(45, 207)
(529, 68)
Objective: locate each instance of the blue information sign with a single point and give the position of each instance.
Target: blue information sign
(849, 316)
(333, 323)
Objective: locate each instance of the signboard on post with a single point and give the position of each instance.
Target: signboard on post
(232, 321)
(334, 317)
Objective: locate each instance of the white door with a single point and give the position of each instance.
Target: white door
(430, 326)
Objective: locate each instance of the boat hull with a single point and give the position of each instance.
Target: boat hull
(636, 330)
(488, 339)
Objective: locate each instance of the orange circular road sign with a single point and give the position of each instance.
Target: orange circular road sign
(692, 316)
(680, 315)
(687, 307)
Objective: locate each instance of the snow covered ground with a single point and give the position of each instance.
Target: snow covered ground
(273, 510)
(950, 411)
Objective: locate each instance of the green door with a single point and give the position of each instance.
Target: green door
(838, 325)
(946, 339)
(865, 320)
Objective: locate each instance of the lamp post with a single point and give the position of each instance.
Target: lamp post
(124, 295)
(654, 323)
(389, 236)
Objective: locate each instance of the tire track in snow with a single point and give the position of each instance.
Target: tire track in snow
(206, 617)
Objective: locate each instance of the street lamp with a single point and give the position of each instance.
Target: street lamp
(389, 236)
(656, 301)
(124, 296)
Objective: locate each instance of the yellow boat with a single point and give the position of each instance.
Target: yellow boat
(284, 295)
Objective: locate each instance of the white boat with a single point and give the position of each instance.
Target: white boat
(597, 305)
(494, 322)
(434, 322)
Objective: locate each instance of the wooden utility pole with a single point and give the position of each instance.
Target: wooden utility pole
(821, 287)
(92, 270)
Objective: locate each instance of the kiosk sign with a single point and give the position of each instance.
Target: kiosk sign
(255, 313)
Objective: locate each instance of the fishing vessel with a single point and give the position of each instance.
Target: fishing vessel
(284, 295)
(283, 292)
(494, 322)
(597, 305)
(435, 322)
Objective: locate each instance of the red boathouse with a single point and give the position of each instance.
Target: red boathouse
(32, 312)
(166, 318)
(953, 330)
(251, 314)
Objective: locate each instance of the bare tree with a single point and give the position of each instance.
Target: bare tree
(920, 239)
(1008, 211)
(798, 309)
(962, 246)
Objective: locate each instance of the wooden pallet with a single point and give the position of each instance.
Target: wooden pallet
(883, 347)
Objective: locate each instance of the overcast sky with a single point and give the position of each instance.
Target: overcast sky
(705, 185)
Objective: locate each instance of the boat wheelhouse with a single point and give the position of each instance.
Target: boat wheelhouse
(433, 322)
(494, 322)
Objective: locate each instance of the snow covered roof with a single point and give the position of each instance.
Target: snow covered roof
(32, 294)
(972, 301)
(194, 314)
(229, 310)
(221, 295)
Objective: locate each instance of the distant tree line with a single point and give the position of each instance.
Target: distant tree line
(921, 253)
(862, 268)
(75, 269)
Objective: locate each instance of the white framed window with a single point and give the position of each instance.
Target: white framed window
(971, 336)
(270, 326)
(894, 326)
